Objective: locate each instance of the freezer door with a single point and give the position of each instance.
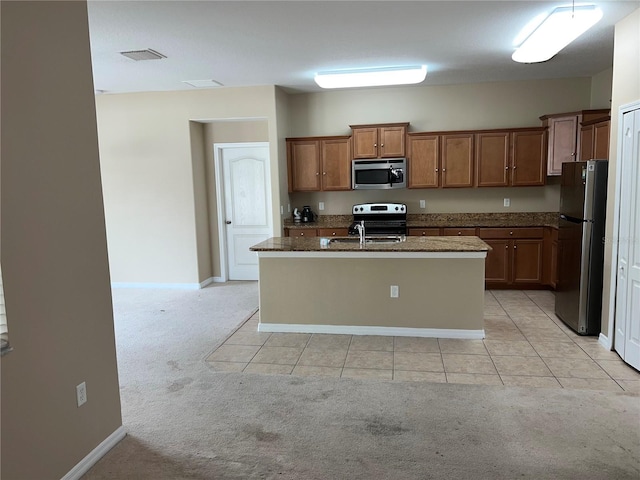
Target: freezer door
(572, 189)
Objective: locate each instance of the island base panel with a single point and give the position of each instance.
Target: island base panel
(434, 293)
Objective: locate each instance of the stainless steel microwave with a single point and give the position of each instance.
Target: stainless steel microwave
(379, 174)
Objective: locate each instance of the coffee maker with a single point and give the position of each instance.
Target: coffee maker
(307, 215)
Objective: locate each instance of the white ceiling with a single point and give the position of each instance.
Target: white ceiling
(241, 43)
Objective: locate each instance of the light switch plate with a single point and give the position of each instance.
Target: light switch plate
(395, 291)
(321, 206)
(507, 202)
(423, 204)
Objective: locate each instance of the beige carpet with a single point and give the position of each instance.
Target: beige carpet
(186, 421)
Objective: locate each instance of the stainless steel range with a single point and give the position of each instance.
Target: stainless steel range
(380, 218)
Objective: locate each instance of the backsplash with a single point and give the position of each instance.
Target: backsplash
(451, 200)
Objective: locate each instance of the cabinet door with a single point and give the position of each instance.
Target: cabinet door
(563, 143)
(424, 153)
(365, 142)
(336, 164)
(424, 232)
(586, 142)
(304, 165)
(457, 160)
(497, 265)
(601, 140)
(492, 159)
(527, 261)
(529, 158)
(391, 142)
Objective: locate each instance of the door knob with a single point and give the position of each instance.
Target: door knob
(228, 222)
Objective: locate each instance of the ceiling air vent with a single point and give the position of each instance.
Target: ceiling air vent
(147, 54)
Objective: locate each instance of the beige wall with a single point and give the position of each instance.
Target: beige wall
(626, 89)
(198, 157)
(153, 205)
(601, 89)
(225, 132)
(434, 108)
(54, 253)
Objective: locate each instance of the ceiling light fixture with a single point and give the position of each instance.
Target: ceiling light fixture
(372, 77)
(556, 31)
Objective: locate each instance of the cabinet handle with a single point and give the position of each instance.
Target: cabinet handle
(514, 167)
(459, 233)
(506, 168)
(375, 144)
(424, 234)
(317, 173)
(514, 247)
(573, 154)
(333, 233)
(324, 173)
(382, 144)
(510, 233)
(302, 234)
(444, 169)
(437, 170)
(506, 247)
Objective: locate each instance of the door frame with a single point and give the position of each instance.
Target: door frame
(608, 341)
(222, 232)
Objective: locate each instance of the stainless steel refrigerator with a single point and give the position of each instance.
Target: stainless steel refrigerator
(583, 199)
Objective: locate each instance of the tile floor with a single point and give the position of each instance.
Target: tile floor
(525, 345)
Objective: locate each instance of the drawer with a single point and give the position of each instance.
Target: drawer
(452, 232)
(519, 232)
(424, 232)
(333, 232)
(302, 232)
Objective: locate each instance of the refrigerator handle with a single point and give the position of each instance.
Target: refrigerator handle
(563, 217)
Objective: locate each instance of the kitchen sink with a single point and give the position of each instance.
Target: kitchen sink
(381, 239)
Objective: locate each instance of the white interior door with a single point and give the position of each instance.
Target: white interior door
(247, 206)
(627, 318)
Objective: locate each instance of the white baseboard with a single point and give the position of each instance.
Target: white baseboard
(219, 279)
(604, 341)
(208, 281)
(385, 331)
(96, 454)
(173, 286)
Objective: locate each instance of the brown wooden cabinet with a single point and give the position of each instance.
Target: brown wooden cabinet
(319, 163)
(332, 232)
(424, 232)
(300, 232)
(493, 159)
(563, 140)
(379, 141)
(511, 158)
(457, 160)
(458, 232)
(550, 267)
(594, 139)
(516, 259)
(528, 157)
(423, 151)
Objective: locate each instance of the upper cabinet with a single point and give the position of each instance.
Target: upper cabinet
(594, 139)
(496, 158)
(566, 137)
(379, 141)
(319, 163)
(440, 160)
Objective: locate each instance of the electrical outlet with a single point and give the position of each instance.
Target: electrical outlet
(321, 206)
(81, 393)
(395, 291)
(281, 210)
(507, 202)
(423, 204)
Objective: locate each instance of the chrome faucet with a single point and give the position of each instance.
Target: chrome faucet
(360, 228)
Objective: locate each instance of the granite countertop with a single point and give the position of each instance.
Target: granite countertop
(436, 220)
(409, 244)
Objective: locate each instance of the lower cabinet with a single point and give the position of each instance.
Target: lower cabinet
(333, 232)
(516, 259)
(300, 232)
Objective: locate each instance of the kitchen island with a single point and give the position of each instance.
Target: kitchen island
(420, 286)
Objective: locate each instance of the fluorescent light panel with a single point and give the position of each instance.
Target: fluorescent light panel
(558, 30)
(372, 77)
